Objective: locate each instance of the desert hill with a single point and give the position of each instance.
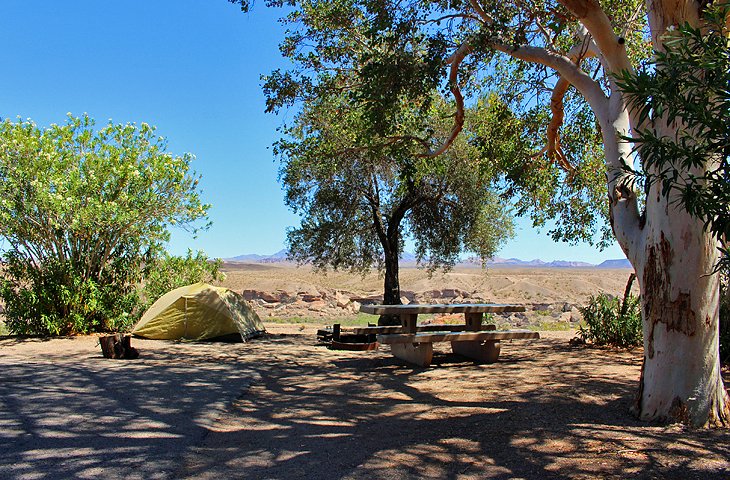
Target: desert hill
(284, 291)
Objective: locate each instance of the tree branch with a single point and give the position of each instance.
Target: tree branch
(567, 69)
(553, 149)
(612, 47)
(455, 61)
(579, 51)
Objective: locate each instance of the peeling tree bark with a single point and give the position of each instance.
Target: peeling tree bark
(680, 378)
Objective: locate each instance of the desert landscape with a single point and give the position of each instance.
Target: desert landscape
(297, 294)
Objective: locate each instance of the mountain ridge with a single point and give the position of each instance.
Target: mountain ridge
(409, 259)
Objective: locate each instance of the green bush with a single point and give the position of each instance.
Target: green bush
(167, 272)
(54, 298)
(84, 211)
(609, 322)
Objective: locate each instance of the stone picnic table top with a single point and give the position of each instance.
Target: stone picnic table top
(473, 313)
(441, 308)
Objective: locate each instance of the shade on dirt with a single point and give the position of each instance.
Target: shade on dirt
(199, 312)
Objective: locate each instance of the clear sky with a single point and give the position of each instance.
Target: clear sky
(192, 68)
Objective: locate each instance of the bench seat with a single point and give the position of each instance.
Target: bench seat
(483, 347)
(449, 336)
(454, 327)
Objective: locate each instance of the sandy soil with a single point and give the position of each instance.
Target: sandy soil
(282, 407)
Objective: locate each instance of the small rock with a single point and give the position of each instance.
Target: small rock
(341, 300)
(450, 293)
(317, 306)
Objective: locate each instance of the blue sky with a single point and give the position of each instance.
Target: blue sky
(192, 69)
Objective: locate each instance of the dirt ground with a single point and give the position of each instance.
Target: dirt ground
(281, 407)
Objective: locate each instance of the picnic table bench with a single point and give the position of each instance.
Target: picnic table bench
(414, 343)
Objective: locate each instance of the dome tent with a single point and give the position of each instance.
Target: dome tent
(199, 312)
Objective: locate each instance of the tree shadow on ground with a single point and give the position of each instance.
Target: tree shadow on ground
(541, 412)
(282, 408)
(73, 414)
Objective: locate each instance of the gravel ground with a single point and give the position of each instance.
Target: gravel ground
(281, 407)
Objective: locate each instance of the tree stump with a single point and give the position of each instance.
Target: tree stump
(118, 346)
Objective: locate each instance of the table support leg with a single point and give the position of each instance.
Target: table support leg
(473, 321)
(419, 354)
(409, 321)
(484, 352)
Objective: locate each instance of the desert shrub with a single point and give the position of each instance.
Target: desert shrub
(167, 272)
(608, 321)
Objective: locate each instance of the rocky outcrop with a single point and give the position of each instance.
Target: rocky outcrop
(333, 304)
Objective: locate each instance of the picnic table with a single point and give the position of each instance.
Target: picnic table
(414, 343)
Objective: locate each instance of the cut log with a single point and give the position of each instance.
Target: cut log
(118, 346)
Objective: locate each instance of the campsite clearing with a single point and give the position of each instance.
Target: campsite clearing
(281, 407)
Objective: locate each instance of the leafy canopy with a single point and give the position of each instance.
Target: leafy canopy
(82, 211)
(360, 193)
(381, 54)
(688, 86)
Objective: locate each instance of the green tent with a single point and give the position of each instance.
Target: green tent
(199, 312)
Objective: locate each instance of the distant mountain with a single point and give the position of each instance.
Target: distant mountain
(281, 257)
(567, 264)
(277, 257)
(516, 262)
(249, 257)
(408, 258)
(619, 263)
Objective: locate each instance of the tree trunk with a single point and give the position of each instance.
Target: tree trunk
(680, 376)
(673, 255)
(680, 379)
(391, 287)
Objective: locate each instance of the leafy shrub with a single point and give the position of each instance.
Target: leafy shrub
(54, 298)
(83, 212)
(168, 272)
(609, 322)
